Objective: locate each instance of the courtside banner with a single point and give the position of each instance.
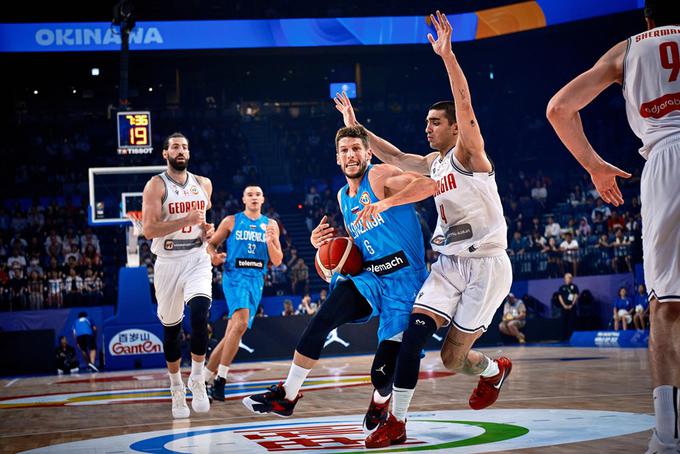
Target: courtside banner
(272, 33)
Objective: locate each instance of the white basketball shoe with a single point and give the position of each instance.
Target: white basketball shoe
(199, 399)
(179, 402)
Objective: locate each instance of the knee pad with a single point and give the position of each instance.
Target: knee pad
(200, 310)
(382, 370)
(171, 342)
(420, 328)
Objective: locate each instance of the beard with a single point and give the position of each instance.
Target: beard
(179, 166)
(359, 172)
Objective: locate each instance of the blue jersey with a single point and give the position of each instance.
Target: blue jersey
(394, 241)
(393, 250)
(247, 247)
(82, 327)
(623, 303)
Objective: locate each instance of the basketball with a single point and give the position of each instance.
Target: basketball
(338, 255)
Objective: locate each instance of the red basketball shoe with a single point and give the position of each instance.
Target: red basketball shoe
(273, 401)
(376, 414)
(390, 432)
(487, 390)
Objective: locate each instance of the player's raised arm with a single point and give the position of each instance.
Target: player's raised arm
(469, 134)
(384, 150)
(398, 188)
(563, 114)
(153, 227)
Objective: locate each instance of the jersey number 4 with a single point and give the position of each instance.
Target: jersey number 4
(670, 58)
(443, 214)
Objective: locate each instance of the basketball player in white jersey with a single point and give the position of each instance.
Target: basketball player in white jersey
(473, 273)
(647, 66)
(173, 214)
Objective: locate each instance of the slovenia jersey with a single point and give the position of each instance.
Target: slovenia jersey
(247, 247)
(393, 241)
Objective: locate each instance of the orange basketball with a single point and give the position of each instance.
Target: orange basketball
(339, 255)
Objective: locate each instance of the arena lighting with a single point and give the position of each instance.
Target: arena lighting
(150, 88)
(94, 71)
(35, 92)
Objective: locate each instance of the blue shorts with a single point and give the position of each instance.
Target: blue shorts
(242, 292)
(391, 298)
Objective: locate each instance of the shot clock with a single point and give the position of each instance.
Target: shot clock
(134, 133)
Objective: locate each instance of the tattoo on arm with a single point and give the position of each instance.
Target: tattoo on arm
(453, 342)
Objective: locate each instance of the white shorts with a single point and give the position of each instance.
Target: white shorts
(660, 197)
(625, 314)
(177, 280)
(466, 290)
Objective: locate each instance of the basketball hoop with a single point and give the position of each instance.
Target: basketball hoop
(133, 232)
(135, 217)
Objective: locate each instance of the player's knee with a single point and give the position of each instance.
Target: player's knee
(453, 360)
(171, 342)
(238, 325)
(420, 328)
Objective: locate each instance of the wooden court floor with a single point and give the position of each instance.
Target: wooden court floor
(47, 411)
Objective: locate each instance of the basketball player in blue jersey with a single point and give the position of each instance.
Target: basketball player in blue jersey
(252, 240)
(473, 274)
(391, 243)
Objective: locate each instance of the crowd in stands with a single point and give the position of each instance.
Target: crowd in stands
(49, 258)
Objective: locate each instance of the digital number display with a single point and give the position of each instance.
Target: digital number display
(134, 133)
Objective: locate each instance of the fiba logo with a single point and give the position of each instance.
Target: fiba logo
(365, 199)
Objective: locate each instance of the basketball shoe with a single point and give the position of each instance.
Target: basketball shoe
(375, 414)
(273, 401)
(656, 446)
(218, 388)
(488, 388)
(199, 396)
(390, 432)
(179, 402)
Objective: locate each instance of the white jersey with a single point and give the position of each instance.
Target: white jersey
(178, 201)
(470, 214)
(651, 85)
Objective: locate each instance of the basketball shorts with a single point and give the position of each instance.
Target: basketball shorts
(177, 280)
(242, 292)
(660, 197)
(391, 297)
(86, 342)
(625, 314)
(466, 291)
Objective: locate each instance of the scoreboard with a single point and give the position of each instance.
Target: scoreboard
(134, 133)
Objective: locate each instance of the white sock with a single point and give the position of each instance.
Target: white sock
(664, 410)
(491, 369)
(196, 368)
(296, 376)
(378, 399)
(222, 371)
(208, 375)
(401, 401)
(175, 379)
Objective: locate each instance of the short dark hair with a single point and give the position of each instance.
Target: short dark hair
(174, 135)
(82, 314)
(449, 108)
(663, 12)
(358, 132)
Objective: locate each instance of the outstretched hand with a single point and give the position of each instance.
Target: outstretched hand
(604, 179)
(441, 45)
(370, 212)
(344, 106)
